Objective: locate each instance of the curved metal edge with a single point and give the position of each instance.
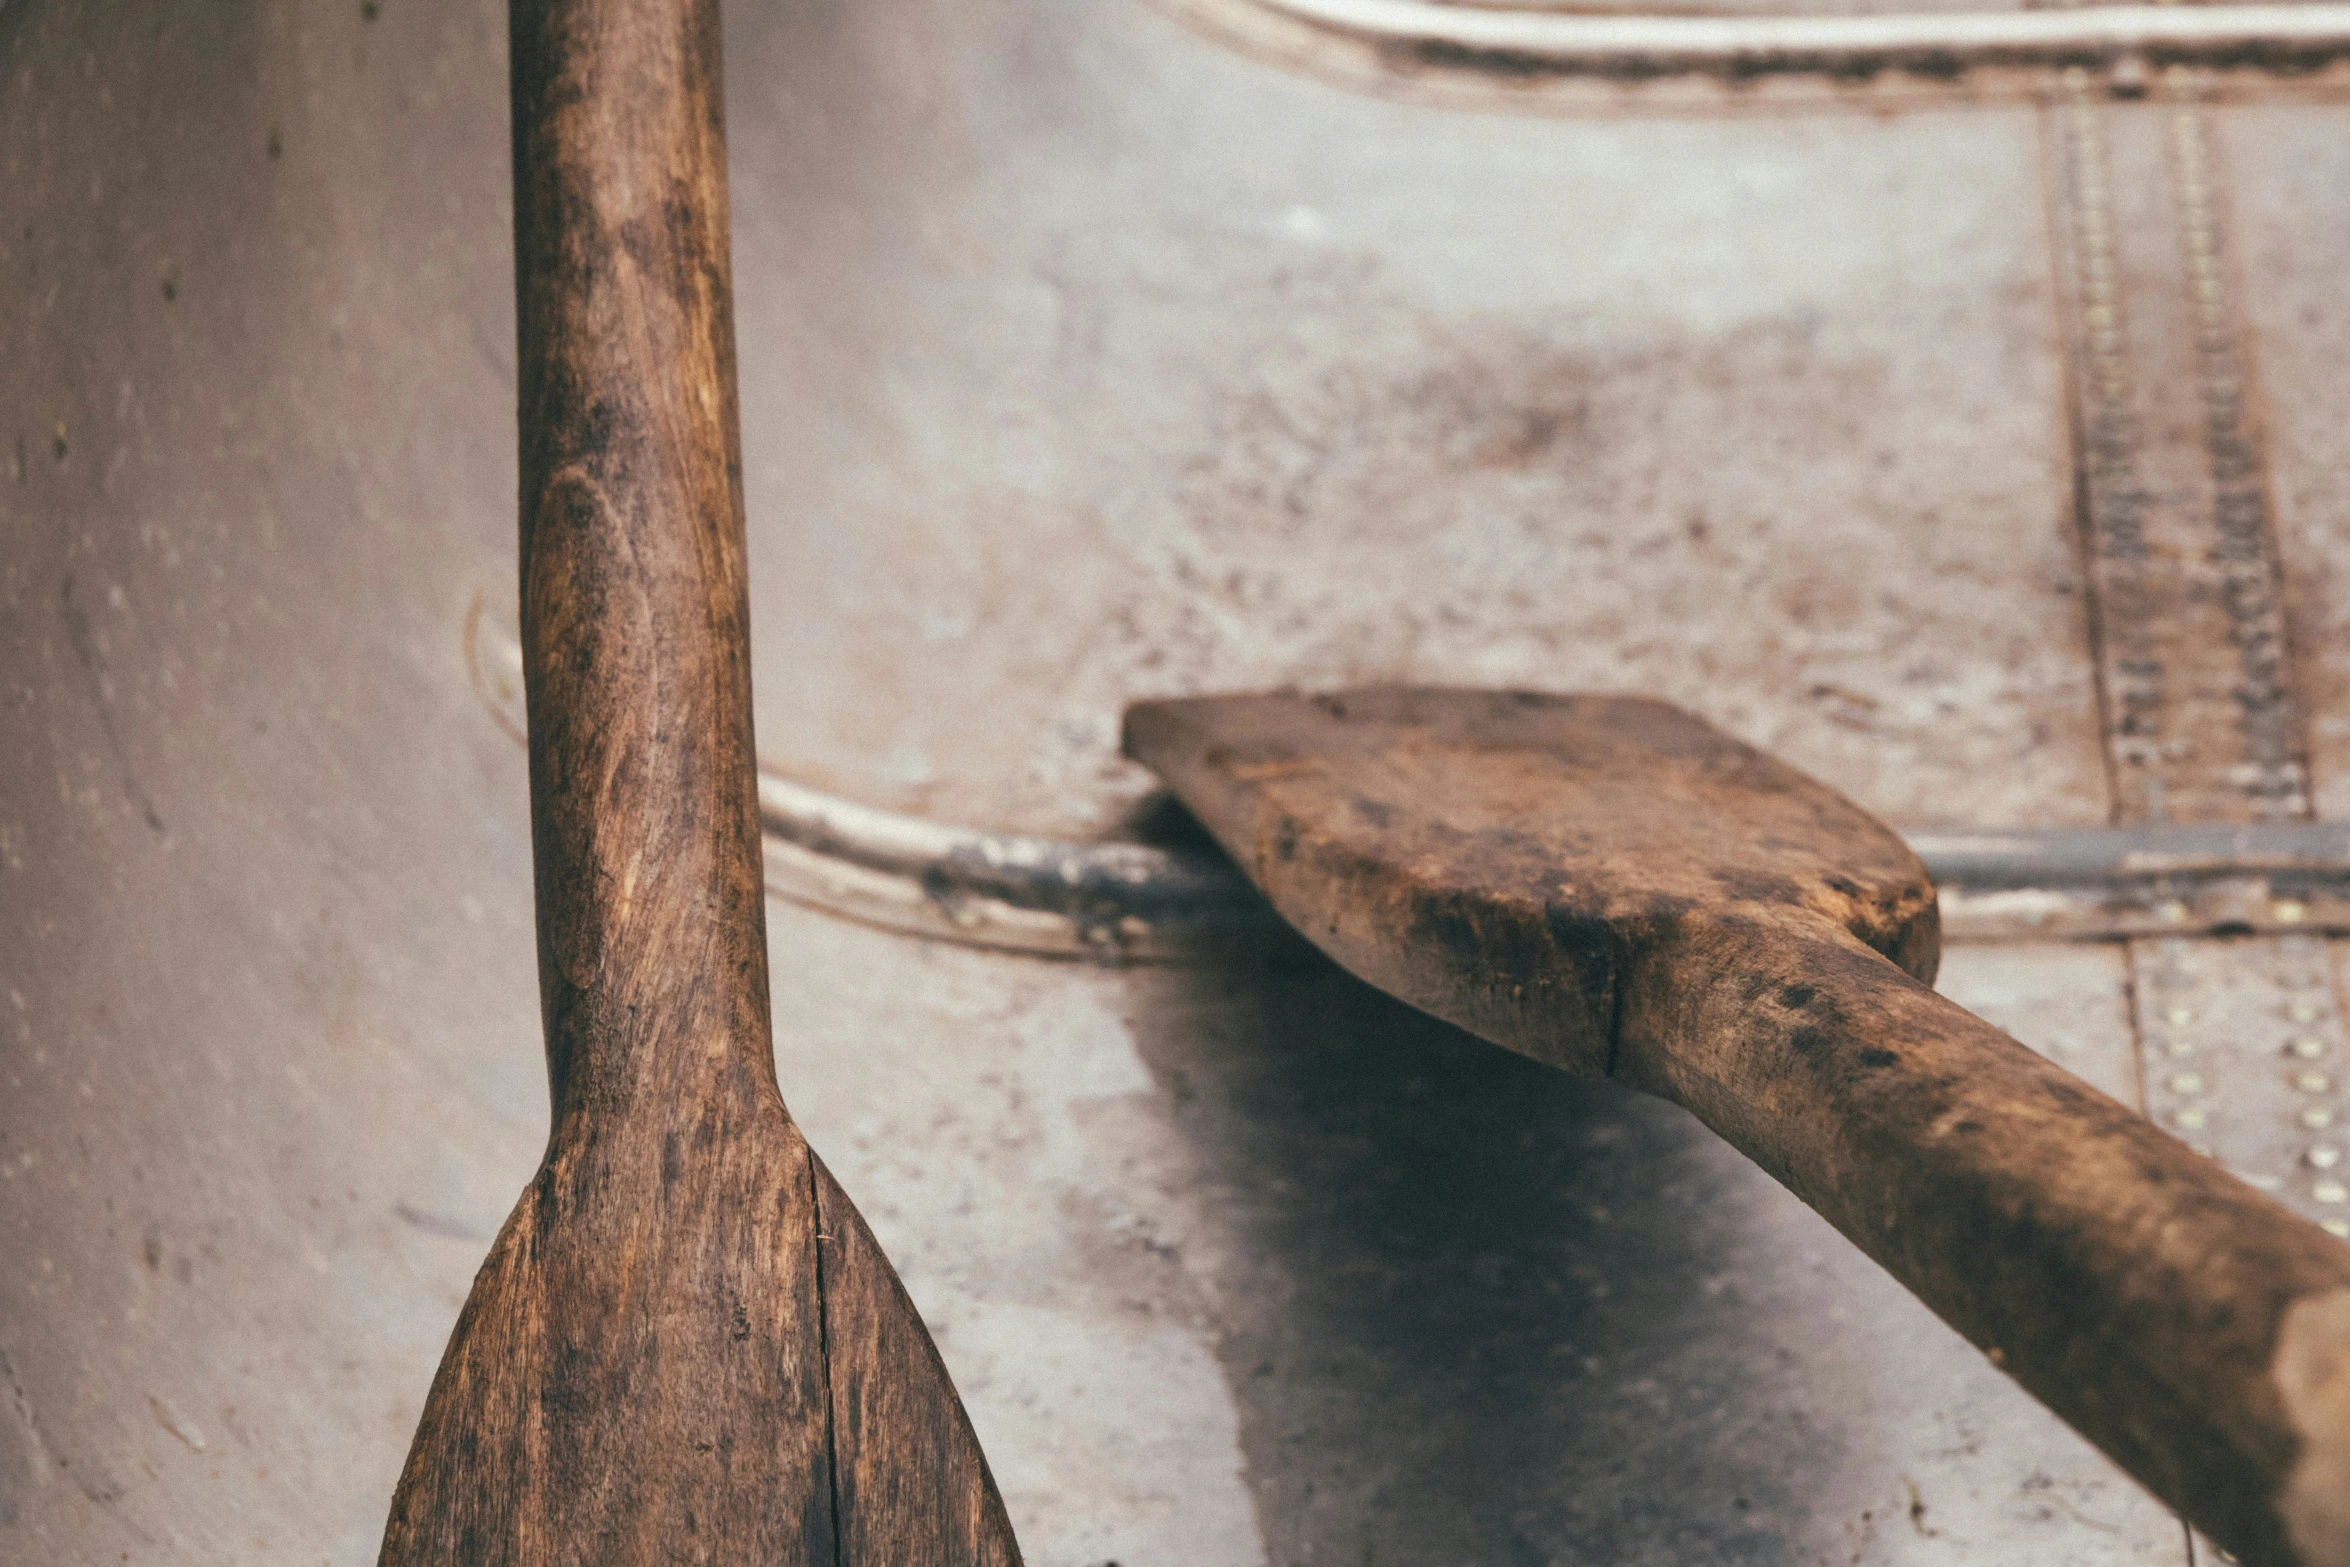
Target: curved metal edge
(2209, 35)
(1113, 902)
(1129, 902)
(1492, 52)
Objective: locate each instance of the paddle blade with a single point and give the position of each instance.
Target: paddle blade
(914, 1485)
(1501, 858)
(692, 1352)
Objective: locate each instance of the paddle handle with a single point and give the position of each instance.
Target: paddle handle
(2188, 1325)
(635, 617)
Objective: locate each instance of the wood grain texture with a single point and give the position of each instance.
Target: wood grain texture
(656, 1359)
(1610, 885)
(898, 1503)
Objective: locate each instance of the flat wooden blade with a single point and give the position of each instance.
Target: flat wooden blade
(1498, 857)
(691, 1349)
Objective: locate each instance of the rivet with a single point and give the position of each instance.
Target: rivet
(2180, 1047)
(2179, 1017)
(2303, 1012)
(2308, 1047)
(2330, 1191)
(2289, 911)
(2186, 1083)
(2339, 1227)
(2173, 912)
(2314, 1083)
(2324, 1156)
(2191, 1118)
(2318, 1117)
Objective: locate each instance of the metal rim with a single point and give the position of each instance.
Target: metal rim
(1521, 47)
(1137, 902)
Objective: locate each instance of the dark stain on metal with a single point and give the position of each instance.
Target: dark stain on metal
(437, 1224)
(85, 651)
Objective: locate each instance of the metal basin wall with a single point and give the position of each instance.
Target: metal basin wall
(1083, 358)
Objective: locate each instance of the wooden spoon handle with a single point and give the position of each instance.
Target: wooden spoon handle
(2191, 1327)
(635, 617)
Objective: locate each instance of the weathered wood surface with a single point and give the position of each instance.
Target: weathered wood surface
(1609, 885)
(685, 1345)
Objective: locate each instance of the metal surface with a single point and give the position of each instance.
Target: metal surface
(2199, 691)
(1083, 359)
(1524, 50)
(2244, 1059)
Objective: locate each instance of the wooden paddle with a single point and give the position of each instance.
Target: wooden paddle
(685, 1345)
(1609, 885)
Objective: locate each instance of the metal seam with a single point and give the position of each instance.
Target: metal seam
(2110, 497)
(2237, 1046)
(2244, 545)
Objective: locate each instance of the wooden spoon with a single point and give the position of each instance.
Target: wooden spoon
(685, 1345)
(1608, 885)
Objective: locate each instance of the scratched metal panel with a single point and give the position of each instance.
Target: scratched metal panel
(264, 930)
(1142, 368)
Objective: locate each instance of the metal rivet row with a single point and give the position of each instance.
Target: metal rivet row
(2256, 1019)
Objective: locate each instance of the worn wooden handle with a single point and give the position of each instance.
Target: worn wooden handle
(2192, 1328)
(684, 1345)
(644, 810)
(1615, 887)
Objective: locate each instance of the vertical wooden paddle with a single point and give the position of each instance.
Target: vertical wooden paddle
(685, 1345)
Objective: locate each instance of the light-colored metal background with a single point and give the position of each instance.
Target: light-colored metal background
(1084, 358)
